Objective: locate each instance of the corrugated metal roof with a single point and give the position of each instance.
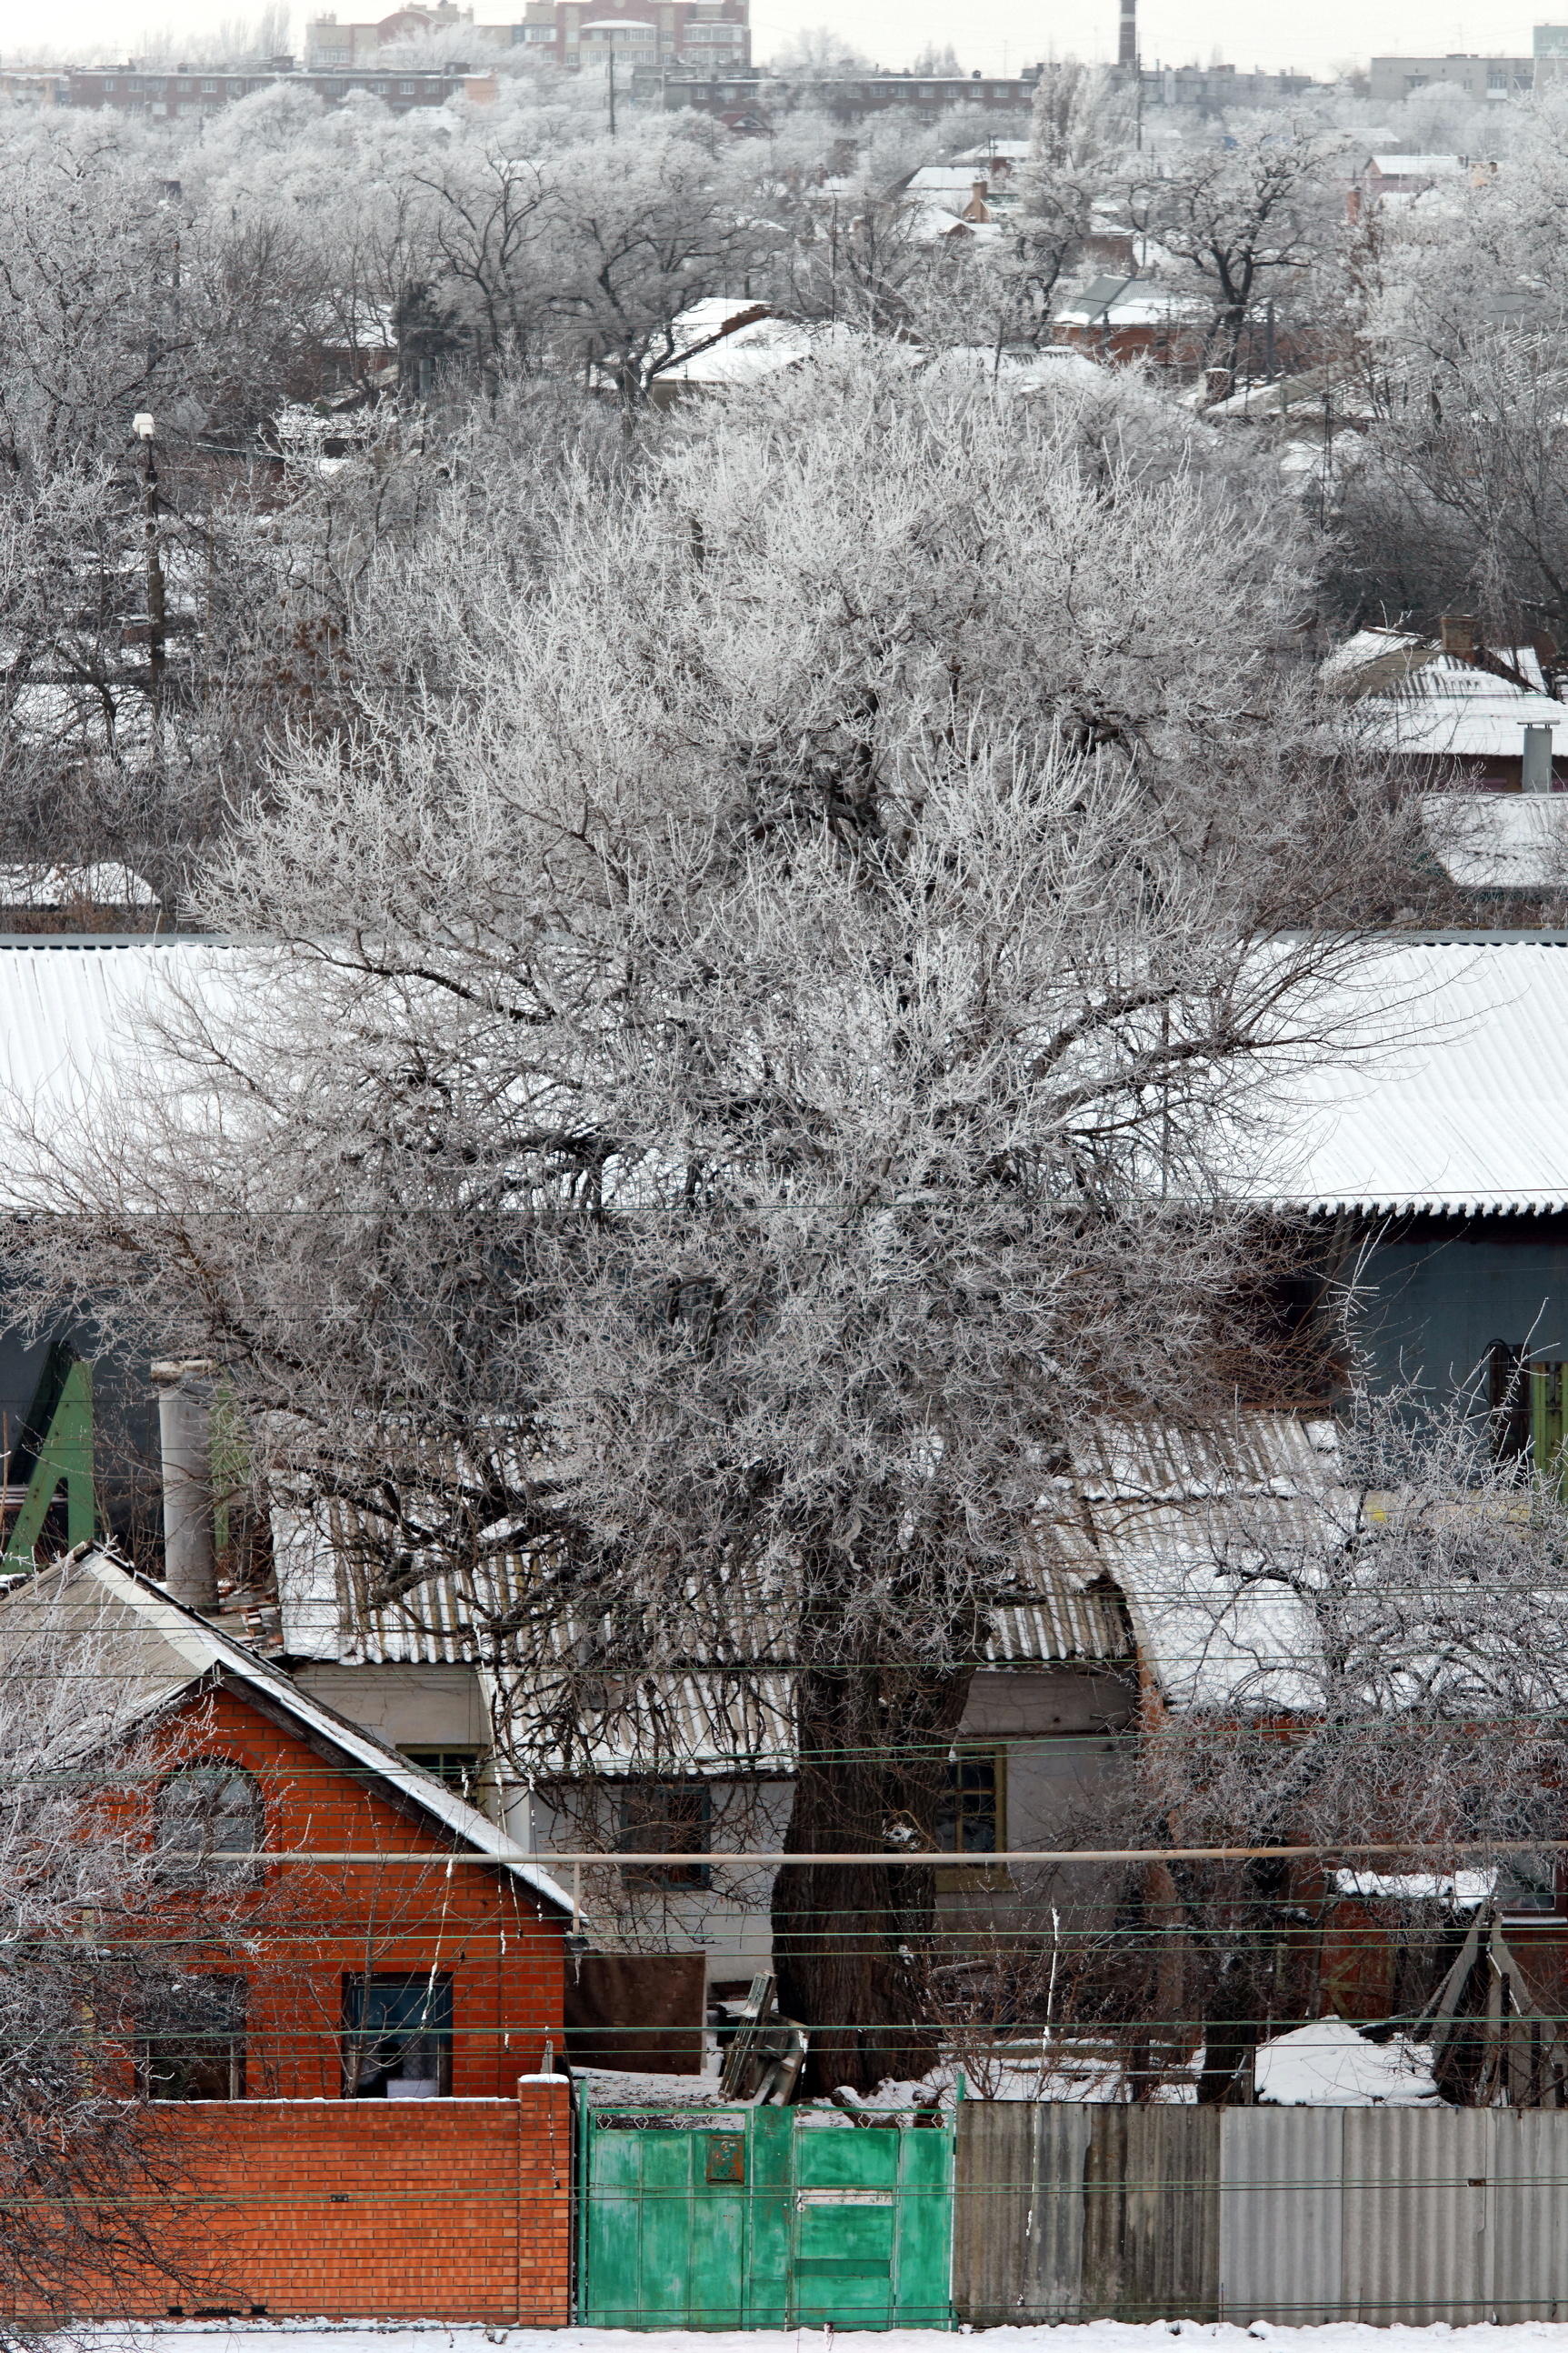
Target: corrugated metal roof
(1448, 708)
(1203, 1533)
(327, 1609)
(73, 1012)
(1459, 1105)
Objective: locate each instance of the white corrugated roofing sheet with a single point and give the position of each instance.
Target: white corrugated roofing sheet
(1208, 1537)
(1449, 709)
(1459, 1104)
(74, 1012)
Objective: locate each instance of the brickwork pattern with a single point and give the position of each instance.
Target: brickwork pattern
(449, 2209)
(318, 1925)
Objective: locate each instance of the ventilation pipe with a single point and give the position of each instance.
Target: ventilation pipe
(1538, 755)
(185, 1429)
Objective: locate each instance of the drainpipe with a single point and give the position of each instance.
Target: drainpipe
(1538, 756)
(185, 1428)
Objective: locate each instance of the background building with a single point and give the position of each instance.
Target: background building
(710, 35)
(1498, 78)
(736, 94)
(191, 91)
(328, 43)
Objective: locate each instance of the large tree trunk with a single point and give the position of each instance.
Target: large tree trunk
(852, 1941)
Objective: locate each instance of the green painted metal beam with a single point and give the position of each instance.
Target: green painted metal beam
(63, 1458)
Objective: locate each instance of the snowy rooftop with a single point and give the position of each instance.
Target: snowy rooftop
(1123, 302)
(945, 179)
(1511, 841)
(1450, 1098)
(1420, 167)
(1445, 707)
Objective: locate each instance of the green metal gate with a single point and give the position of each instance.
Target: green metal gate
(762, 2217)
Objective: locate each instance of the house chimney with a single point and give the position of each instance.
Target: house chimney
(1459, 636)
(185, 1428)
(1537, 763)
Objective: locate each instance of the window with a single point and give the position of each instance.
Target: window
(664, 1818)
(1508, 1402)
(458, 1767)
(968, 1812)
(208, 88)
(405, 89)
(208, 1821)
(193, 2041)
(397, 2037)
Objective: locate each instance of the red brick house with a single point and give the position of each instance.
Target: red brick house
(383, 1948)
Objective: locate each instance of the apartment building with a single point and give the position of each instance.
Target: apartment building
(713, 36)
(19, 86)
(738, 97)
(330, 46)
(1497, 79)
(191, 91)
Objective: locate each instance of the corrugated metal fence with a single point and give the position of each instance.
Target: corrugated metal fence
(1070, 2213)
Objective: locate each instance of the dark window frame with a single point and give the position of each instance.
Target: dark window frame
(460, 1769)
(425, 1993)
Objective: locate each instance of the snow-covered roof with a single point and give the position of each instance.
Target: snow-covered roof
(1371, 658)
(1418, 699)
(944, 179)
(1510, 841)
(726, 341)
(1000, 151)
(1122, 302)
(1448, 708)
(1453, 1099)
(1186, 1522)
(165, 1649)
(1418, 167)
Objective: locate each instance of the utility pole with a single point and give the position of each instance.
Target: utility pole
(612, 85)
(157, 615)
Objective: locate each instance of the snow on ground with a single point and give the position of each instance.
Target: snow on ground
(1093, 2336)
(1327, 2064)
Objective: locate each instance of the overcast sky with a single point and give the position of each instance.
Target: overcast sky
(994, 34)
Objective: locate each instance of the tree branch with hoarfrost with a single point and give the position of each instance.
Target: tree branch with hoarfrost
(746, 1049)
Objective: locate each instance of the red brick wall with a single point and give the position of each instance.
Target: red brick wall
(447, 2209)
(315, 1925)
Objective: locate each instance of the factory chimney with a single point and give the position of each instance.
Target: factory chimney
(1127, 46)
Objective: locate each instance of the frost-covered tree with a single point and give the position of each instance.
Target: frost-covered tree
(1462, 306)
(1248, 220)
(752, 1016)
